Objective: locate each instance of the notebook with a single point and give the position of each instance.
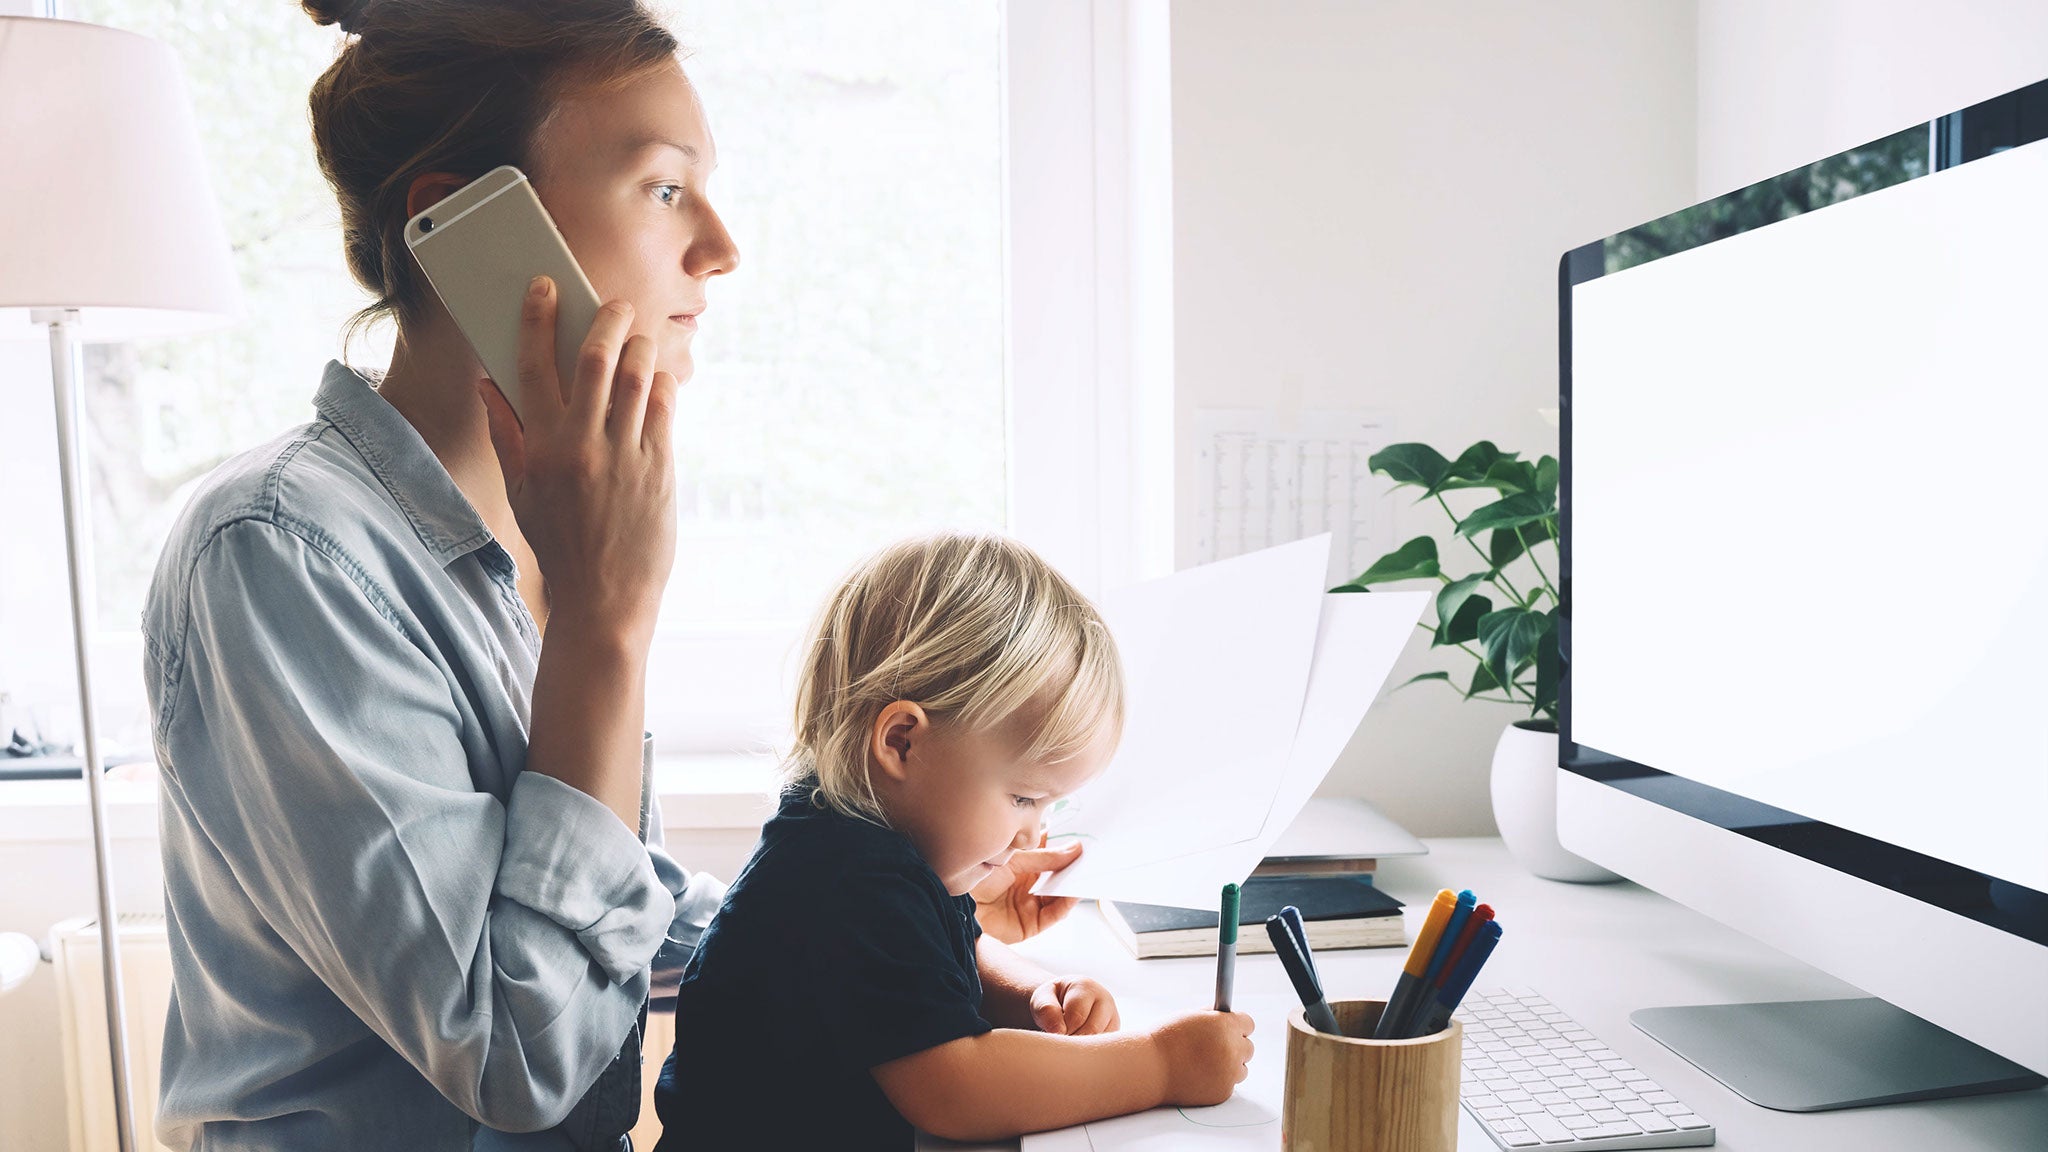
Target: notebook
(1338, 911)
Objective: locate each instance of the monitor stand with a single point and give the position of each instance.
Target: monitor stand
(1819, 1055)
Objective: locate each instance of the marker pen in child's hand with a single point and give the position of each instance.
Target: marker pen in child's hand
(1226, 948)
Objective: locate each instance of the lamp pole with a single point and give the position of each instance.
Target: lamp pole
(67, 384)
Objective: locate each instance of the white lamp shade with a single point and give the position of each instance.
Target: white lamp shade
(104, 201)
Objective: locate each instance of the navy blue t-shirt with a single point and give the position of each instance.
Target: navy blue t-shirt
(836, 949)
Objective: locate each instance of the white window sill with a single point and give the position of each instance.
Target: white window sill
(698, 791)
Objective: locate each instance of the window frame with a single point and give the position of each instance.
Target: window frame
(1088, 418)
(1088, 334)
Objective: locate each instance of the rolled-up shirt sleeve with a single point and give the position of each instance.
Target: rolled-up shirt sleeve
(697, 896)
(502, 948)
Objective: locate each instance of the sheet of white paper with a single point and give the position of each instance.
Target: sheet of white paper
(1249, 1119)
(1216, 662)
(1359, 637)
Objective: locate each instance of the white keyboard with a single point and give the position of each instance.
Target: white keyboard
(1535, 1079)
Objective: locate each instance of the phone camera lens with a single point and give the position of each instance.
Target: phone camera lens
(426, 223)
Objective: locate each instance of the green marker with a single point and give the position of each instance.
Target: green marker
(1226, 948)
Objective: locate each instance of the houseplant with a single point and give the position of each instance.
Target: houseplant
(1508, 628)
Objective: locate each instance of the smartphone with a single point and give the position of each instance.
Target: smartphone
(480, 247)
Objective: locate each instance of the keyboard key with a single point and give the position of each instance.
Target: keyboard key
(1633, 1107)
(1525, 1108)
(1603, 1084)
(1578, 1123)
(1673, 1109)
(1610, 1131)
(1548, 1098)
(1652, 1122)
(1659, 1097)
(1607, 1116)
(1485, 1100)
(1547, 1129)
(1688, 1121)
(1495, 1113)
(1581, 1092)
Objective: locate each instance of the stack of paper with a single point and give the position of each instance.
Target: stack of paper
(1243, 681)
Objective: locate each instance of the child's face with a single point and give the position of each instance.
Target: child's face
(967, 800)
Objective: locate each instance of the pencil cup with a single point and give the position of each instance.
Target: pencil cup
(1351, 1095)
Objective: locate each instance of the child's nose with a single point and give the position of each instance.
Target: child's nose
(1026, 837)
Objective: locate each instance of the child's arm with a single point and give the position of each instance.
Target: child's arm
(1004, 1083)
(1015, 993)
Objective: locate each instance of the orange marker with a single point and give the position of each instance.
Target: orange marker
(1409, 986)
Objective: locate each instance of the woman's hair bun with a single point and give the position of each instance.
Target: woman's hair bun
(342, 13)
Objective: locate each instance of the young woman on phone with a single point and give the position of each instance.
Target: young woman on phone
(397, 656)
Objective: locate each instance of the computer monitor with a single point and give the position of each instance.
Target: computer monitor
(1804, 500)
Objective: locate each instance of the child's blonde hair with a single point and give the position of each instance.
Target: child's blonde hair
(972, 628)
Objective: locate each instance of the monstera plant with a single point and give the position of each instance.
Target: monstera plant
(1508, 628)
(1507, 625)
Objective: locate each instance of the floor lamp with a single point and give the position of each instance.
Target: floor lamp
(108, 231)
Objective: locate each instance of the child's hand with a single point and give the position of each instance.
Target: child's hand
(1073, 1006)
(1205, 1055)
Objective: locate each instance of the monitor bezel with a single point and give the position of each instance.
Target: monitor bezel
(2016, 118)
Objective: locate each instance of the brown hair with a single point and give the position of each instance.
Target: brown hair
(459, 86)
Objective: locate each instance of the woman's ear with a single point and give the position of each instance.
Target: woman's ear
(899, 727)
(428, 189)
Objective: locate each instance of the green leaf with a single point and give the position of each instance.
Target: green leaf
(1471, 467)
(1510, 637)
(1546, 478)
(1411, 464)
(1443, 676)
(1511, 512)
(1413, 560)
(1511, 476)
(1458, 609)
(1504, 549)
(1482, 681)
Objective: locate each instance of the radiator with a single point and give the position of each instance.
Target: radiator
(81, 1005)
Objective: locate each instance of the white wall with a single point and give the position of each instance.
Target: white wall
(1370, 202)
(1783, 83)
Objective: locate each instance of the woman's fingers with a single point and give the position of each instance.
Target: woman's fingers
(657, 431)
(596, 362)
(631, 386)
(541, 393)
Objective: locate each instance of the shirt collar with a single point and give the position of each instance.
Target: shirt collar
(447, 524)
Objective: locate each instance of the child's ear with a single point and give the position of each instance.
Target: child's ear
(900, 724)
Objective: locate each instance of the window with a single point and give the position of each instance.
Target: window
(903, 225)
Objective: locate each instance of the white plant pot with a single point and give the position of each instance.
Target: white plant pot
(1525, 806)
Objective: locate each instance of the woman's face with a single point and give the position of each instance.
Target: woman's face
(623, 172)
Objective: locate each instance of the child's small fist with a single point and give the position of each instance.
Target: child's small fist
(1205, 1055)
(1073, 1006)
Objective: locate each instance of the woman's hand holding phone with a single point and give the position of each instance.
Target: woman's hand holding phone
(590, 469)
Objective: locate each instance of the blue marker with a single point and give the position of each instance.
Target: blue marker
(1292, 916)
(1300, 970)
(1460, 912)
(1437, 1012)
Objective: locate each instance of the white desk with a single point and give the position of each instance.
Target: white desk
(1599, 952)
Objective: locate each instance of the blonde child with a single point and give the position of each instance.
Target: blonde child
(954, 687)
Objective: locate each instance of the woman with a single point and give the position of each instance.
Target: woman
(414, 882)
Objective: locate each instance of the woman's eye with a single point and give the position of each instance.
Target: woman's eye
(673, 191)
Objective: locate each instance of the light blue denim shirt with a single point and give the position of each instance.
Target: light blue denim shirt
(383, 932)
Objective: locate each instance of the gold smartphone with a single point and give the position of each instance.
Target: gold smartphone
(480, 247)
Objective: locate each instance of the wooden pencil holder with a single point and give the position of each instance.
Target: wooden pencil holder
(1346, 1094)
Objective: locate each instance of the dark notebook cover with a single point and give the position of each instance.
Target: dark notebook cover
(1318, 897)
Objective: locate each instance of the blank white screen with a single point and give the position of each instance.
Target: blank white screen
(1810, 556)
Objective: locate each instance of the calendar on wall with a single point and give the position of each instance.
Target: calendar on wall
(1267, 477)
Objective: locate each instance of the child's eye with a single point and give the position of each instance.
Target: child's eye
(1025, 801)
(674, 190)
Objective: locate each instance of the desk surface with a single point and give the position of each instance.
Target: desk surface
(1599, 952)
